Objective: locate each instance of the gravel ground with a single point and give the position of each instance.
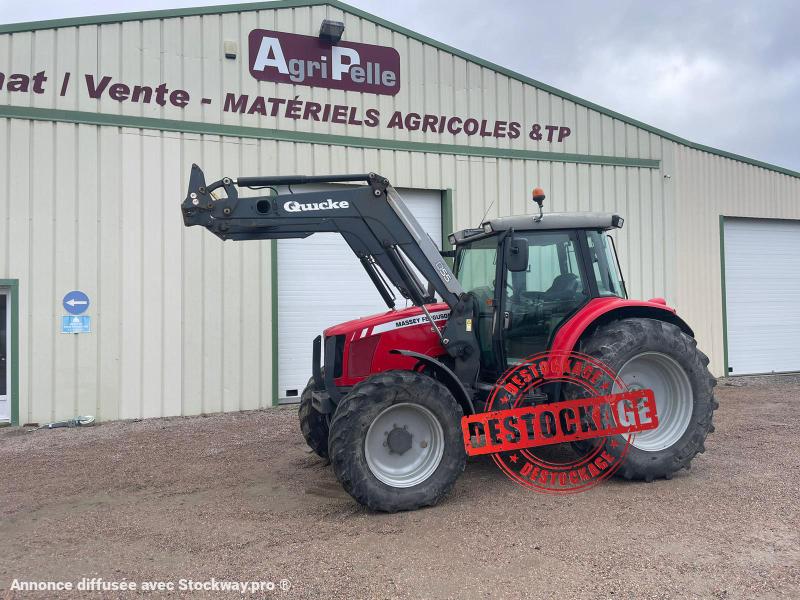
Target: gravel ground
(239, 496)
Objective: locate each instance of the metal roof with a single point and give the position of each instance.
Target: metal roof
(549, 222)
(576, 220)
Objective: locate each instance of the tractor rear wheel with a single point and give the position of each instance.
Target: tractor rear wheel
(653, 354)
(313, 423)
(396, 442)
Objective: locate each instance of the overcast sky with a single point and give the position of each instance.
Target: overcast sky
(725, 73)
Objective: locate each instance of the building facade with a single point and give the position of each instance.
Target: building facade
(102, 117)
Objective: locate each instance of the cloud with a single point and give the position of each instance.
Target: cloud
(745, 103)
(721, 73)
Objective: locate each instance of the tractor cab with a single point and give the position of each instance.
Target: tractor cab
(551, 265)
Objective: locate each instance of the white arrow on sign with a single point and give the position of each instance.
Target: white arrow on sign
(73, 302)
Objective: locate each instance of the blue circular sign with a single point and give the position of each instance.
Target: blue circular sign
(75, 302)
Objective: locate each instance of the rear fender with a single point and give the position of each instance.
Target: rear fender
(603, 310)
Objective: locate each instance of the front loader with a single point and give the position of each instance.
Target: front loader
(387, 392)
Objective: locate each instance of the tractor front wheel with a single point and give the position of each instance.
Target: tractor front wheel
(396, 442)
(653, 354)
(313, 423)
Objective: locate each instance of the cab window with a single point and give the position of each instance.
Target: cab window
(604, 264)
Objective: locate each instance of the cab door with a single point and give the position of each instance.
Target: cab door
(536, 301)
(478, 271)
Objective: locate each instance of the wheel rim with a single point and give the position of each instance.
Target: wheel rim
(673, 395)
(392, 430)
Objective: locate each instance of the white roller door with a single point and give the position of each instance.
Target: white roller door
(322, 283)
(762, 291)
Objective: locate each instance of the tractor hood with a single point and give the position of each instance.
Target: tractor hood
(390, 320)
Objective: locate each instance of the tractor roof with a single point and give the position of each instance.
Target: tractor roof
(550, 221)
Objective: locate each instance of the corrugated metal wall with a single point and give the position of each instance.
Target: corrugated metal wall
(182, 322)
(187, 53)
(707, 186)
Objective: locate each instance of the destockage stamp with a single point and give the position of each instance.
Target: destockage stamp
(527, 435)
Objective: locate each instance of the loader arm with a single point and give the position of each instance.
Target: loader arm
(373, 220)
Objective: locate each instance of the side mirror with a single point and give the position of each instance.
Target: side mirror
(517, 254)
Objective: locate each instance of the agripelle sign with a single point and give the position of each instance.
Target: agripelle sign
(306, 60)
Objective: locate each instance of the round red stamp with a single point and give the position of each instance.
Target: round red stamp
(559, 422)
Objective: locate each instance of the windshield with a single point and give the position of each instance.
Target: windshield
(604, 264)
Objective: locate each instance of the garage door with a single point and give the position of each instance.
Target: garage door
(762, 295)
(322, 283)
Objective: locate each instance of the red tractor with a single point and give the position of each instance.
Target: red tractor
(388, 391)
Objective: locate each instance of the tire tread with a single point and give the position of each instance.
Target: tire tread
(615, 339)
(313, 424)
(345, 448)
